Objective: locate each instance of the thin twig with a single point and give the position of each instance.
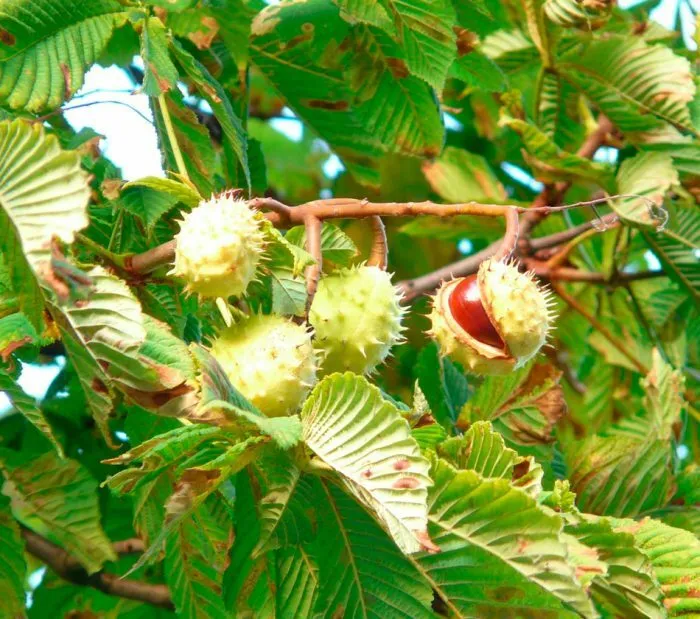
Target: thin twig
(96, 248)
(555, 193)
(271, 205)
(379, 253)
(152, 259)
(598, 326)
(555, 356)
(283, 216)
(88, 104)
(313, 246)
(70, 570)
(651, 331)
(544, 242)
(561, 256)
(129, 546)
(350, 208)
(413, 288)
(172, 138)
(568, 274)
(510, 238)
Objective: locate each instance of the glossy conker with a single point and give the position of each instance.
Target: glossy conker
(468, 310)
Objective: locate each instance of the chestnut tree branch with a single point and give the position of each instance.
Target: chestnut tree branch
(70, 570)
(129, 546)
(152, 259)
(568, 274)
(283, 216)
(379, 254)
(272, 205)
(313, 246)
(427, 283)
(606, 222)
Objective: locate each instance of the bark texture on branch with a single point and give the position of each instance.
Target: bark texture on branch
(379, 254)
(313, 271)
(65, 566)
(283, 216)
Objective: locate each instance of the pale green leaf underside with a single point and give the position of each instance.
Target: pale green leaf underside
(102, 336)
(352, 429)
(620, 475)
(625, 586)
(649, 175)
(43, 194)
(512, 50)
(489, 561)
(584, 15)
(481, 450)
(42, 189)
(675, 557)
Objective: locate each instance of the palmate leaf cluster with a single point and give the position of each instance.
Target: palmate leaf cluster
(568, 488)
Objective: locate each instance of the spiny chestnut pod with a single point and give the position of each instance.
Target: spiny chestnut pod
(219, 247)
(270, 360)
(356, 317)
(491, 322)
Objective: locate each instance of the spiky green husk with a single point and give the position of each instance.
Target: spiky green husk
(270, 360)
(518, 309)
(517, 306)
(356, 317)
(219, 247)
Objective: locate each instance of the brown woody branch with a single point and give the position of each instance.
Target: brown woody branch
(150, 260)
(283, 216)
(606, 222)
(129, 546)
(569, 274)
(65, 566)
(427, 283)
(379, 253)
(413, 288)
(313, 246)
